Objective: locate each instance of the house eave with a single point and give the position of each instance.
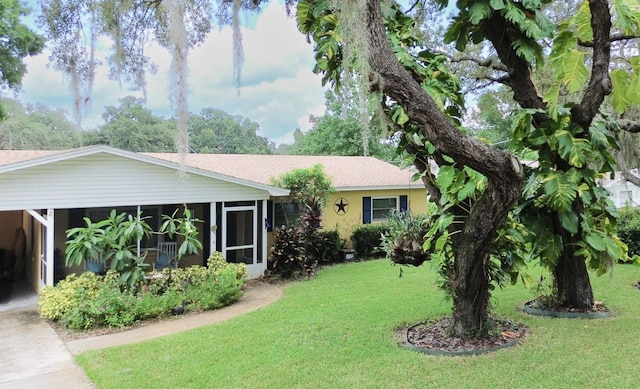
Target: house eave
(93, 150)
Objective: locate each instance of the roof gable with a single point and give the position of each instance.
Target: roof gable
(12, 160)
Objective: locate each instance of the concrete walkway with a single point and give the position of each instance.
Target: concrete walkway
(33, 356)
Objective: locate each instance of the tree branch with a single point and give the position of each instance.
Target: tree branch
(600, 83)
(612, 38)
(519, 70)
(425, 113)
(491, 62)
(629, 126)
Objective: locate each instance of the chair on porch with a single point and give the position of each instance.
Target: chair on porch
(167, 254)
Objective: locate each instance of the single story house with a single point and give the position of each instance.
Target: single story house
(45, 192)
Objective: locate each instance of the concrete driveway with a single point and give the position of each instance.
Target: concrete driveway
(33, 356)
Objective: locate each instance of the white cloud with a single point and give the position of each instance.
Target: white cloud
(278, 88)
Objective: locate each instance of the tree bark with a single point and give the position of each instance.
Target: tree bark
(469, 278)
(572, 283)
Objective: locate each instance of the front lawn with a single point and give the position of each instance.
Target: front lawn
(337, 331)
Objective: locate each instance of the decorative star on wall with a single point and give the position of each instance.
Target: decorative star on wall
(341, 206)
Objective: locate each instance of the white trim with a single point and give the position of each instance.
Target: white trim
(264, 234)
(36, 215)
(255, 269)
(384, 197)
(377, 188)
(47, 258)
(212, 223)
(50, 247)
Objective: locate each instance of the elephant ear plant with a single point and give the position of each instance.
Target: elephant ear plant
(113, 239)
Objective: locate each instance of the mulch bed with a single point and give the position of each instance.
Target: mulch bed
(599, 310)
(435, 336)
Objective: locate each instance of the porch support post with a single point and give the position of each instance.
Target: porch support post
(48, 222)
(213, 228)
(264, 235)
(50, 247)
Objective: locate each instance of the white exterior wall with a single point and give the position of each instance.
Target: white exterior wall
(624, 193)
(107, 180)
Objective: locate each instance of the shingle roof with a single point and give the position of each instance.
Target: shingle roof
(345, 172)
(14, 156)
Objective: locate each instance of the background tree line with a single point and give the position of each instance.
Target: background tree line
(131, 126)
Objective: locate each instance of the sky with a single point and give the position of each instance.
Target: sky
(278, 90)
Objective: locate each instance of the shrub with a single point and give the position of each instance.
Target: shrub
(55, 302)
(218, 290)
(629, 229)
(366, 240)
(287, 253)
(90, 301)
(216, 263)
(327, 245)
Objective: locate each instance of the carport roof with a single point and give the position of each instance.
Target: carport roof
(11, 160)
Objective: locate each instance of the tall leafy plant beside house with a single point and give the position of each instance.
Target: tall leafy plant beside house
(295, 248)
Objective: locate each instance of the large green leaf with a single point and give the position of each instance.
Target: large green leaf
(575, 72)
(582, 21)
(497, 4)
(514, 14)
(551, 97)
(552, 250)
(627, 15)
(525, 49)
(446, 175)
(467, 190)
(479, 11)
(596, 241)
(560, 191)
(573, 150)
(531, 5)
(620, 84)
(569, 221)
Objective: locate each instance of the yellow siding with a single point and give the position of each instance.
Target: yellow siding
(346, 223)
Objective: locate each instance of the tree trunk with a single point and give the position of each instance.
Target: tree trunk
(468, 278)
(571, 280)
(471, 294)
(572, 286)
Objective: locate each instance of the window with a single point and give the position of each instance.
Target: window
(286, 213)
(381, 207)
(375, 209)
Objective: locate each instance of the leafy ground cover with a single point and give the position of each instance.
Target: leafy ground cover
(339, 330)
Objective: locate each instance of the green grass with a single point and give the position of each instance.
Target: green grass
(337, 331)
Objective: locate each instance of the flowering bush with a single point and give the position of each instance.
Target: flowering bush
(91, 301)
